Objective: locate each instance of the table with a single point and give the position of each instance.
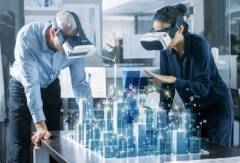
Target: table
(65, 151)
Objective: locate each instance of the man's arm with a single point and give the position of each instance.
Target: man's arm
(30, 82)
(81, 88)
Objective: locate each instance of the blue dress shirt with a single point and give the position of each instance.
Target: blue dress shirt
(36, 66)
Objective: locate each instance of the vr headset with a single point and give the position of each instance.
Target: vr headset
(160, 39)
(74, 46)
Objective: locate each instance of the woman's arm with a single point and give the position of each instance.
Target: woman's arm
(201, 84)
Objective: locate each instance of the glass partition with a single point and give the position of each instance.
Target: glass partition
(234, 35)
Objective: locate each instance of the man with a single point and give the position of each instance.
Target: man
(34, 85)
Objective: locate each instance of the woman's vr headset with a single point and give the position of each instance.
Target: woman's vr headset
(160, 39)
(74, 46)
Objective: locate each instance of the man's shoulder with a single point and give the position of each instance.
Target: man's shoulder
(30, 35)
(31, 28)
(199, 45)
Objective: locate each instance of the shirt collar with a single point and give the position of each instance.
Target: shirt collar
(187, 43)
(44, 42)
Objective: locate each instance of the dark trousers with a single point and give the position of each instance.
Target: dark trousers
(220, 117)
(20, 119)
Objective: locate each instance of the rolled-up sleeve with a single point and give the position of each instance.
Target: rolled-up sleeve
(29, 77)
(81, 88)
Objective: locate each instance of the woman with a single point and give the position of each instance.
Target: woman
(187, 65)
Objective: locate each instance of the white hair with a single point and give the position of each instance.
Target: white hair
(65, 20)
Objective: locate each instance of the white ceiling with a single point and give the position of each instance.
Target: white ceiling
(108, 4)
(136, 7)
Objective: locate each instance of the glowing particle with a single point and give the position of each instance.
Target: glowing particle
(176, 107)
(167, 93)
(191, 98)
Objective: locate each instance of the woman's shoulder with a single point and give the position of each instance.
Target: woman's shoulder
(198, 40)
(199, 46)
(165, 53)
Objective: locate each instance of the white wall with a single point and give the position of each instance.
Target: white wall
(115, 27)
(198, 17)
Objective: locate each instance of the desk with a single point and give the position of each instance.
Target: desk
(65, 151)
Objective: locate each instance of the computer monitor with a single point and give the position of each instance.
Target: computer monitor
(131, 80)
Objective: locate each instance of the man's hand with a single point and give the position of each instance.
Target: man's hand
(41, 133)
(161, 78)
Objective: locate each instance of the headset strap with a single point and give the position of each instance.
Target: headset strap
(58, 32)
(82, 35)
(84, 40)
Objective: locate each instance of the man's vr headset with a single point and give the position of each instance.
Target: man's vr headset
(161, 39)
(74, 46)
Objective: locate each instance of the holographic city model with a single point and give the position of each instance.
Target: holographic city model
(123, 126)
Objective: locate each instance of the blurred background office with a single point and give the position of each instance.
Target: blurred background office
(115, 27)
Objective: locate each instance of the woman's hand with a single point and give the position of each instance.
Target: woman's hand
(161, 78)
